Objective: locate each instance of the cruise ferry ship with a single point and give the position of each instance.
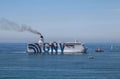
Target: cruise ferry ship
(55, 48)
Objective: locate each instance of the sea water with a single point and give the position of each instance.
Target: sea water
(15, 63)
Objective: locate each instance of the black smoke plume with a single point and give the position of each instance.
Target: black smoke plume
(9, 25)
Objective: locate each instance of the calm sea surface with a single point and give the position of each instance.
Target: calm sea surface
(15, 63)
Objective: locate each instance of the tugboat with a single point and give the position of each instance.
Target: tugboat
(99, 50)
(55, 48)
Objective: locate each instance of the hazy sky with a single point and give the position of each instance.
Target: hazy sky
(85, 20)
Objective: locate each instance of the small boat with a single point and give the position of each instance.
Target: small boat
(99, 50)
(91, 57)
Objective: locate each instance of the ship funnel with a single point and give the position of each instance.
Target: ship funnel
(41, 39)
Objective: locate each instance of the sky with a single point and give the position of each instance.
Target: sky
(58, 20)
